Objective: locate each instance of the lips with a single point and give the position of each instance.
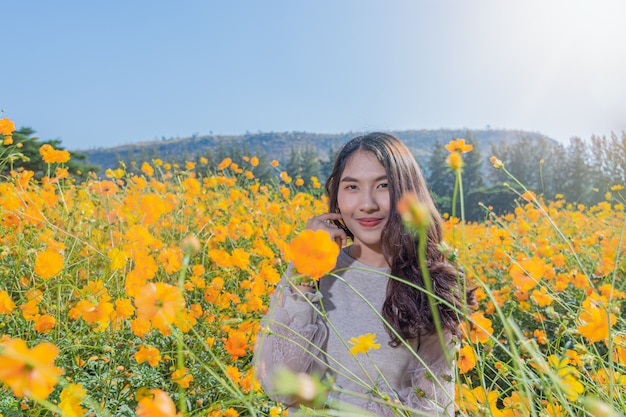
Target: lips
(369, 222)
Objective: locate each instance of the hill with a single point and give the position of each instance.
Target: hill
(279, 145)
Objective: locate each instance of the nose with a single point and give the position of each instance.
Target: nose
(368, 202)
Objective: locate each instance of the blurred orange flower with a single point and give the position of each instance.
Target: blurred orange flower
(29, 372)
(48, 263)
(156, 404)
(313, 253)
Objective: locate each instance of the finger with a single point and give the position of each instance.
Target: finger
(323, 222)
(340, 237)
(329, 216)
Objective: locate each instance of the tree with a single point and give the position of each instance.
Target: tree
(440, 178)
(473, 167)
(576, 186)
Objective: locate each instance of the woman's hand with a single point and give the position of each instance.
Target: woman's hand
(324, 222)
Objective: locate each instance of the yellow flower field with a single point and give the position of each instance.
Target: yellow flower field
(141, 295)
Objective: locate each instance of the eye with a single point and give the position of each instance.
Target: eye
(383, 185)
(351, 187)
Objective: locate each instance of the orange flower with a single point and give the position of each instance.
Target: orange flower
(44, 323)
(51, 155)
(148, 354)
(29, 372)
(224, 164)
(413, 211)
(455, 161)
(157, 404)
(171, 259)
(182, 377)
(254, 161)
(313, 253)
(7, 127)
(480, 328)
(285, 177)
(236, 344)
(467, 359)
(105, 188)
(48, 263)
(459, 146)
(594, 319)
(528, 273)
(6, 303)
(147, 169)
(159, 303)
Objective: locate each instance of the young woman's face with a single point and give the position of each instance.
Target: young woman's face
(363, 199)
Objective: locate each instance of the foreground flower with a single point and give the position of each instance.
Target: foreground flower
(157, 404)
(29, 372)
(363, 343)
(414, 213)
(313, 253)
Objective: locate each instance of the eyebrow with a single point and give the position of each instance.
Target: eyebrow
(351, 179)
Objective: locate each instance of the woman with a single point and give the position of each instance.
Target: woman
(310, 326)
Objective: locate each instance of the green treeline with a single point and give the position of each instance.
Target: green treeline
(580, 173)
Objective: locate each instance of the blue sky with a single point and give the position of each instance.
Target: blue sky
(99, 74)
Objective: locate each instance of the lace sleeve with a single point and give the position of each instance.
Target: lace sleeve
(292, 336)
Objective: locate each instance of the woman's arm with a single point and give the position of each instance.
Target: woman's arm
(430, 385)
(291, 337)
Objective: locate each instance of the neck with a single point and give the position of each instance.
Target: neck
(367, 255)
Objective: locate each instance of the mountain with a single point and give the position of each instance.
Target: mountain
(279, 145)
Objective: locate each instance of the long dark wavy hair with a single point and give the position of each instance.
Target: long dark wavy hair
(407, 309)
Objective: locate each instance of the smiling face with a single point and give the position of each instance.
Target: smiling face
(363, 201)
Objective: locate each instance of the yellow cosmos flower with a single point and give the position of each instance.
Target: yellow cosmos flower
(363, 343)
(71, 397)
(459, 146)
